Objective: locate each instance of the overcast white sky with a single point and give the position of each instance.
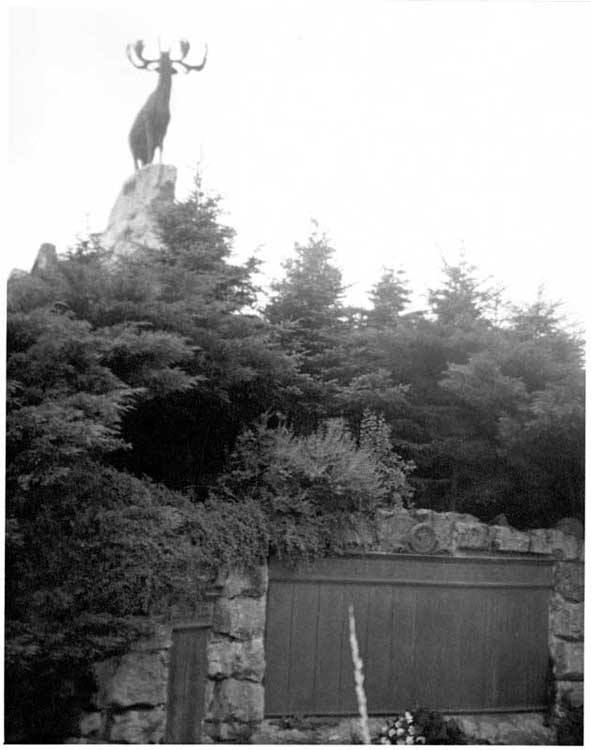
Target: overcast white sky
(409, 130)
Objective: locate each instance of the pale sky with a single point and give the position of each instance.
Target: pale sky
(410, 131)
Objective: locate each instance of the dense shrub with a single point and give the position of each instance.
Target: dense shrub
(92, 562)
(309, 486)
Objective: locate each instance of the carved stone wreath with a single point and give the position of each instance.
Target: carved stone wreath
(422, 539)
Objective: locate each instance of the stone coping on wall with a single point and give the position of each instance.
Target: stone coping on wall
(129, 705)
(394, 530)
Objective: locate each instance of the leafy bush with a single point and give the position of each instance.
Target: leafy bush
(308, 486)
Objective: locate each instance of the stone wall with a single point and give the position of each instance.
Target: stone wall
(130, 703)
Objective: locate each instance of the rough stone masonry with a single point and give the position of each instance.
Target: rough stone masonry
(130, 703)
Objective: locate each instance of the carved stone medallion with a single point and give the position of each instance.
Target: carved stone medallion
(422, 539)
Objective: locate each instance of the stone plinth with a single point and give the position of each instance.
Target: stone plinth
(133, 221)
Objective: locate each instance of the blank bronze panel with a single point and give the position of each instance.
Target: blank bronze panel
(186, 685)
(454, 634)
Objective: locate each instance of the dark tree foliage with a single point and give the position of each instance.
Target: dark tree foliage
(92, 552)
(146, 366)
(462, 299)
(308, 309)
(122, 373)
(497, 406)
(389, 297)
(308, 301)
(238, 359)
(189, 303)
(488, 404)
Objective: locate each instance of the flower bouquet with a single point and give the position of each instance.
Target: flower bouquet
(402, 730)
(421, 727)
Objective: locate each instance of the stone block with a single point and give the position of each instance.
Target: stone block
(103, 673)
(471, 535)
(564, 546)
(209, 700)
(159, 640)
(92, 725)
(232, 732)
(241, 659)
(444, 525)
(207, 735)
(526, 732)
(241, 617)
(506, 539)
(571, 527)
(571, 692)
(568, 659)
(555, 542)
(239, 701)
(569, 580)
(346, 732)
(253, 582)
(144, 727)
(392, 528)
(135, 678)
(268, 733)
(506, 729)
(567, 618)
(80, 741)
(361, 535)
(541, 542)
(461, 517)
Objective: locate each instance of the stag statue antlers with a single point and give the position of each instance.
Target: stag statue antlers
(149, 127)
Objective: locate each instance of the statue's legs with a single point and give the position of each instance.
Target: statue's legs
(150, 146)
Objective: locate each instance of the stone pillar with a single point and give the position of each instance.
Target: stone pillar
(566, 621)
(236, 657)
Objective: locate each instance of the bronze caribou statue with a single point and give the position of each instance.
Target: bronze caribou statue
(149, 127)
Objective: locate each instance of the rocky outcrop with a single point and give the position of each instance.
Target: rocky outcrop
(46, 262)
(133, 223)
